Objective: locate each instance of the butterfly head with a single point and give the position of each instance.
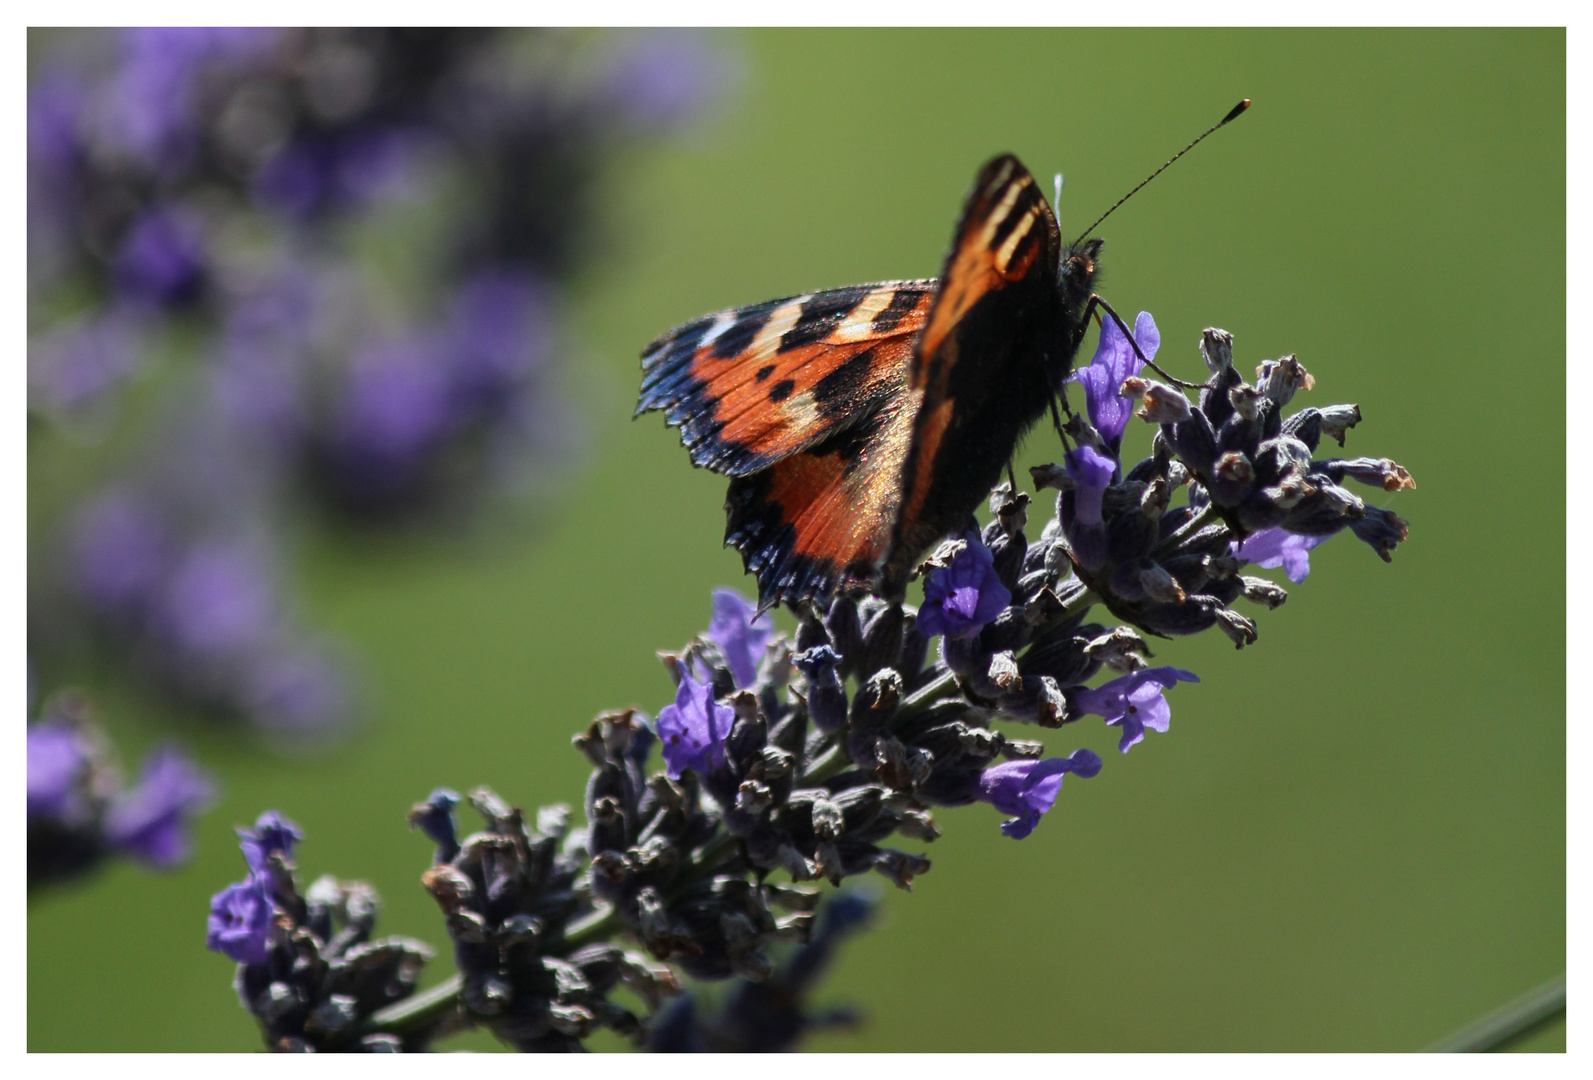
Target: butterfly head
(1076, 275)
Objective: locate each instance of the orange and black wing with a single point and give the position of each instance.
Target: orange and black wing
(981, 362)
(820, 520)
(751, 386)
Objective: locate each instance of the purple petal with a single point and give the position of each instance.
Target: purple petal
(741, 637)
(55, 761)
(151, 821)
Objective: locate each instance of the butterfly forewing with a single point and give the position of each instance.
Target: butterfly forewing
(750, 386)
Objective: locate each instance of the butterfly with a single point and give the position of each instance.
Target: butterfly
(859, 426)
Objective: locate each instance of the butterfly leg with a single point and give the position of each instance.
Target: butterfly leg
(1096, 300)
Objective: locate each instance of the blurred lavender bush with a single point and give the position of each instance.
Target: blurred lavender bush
(333, 261)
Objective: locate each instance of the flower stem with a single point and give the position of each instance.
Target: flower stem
(1509, 1024)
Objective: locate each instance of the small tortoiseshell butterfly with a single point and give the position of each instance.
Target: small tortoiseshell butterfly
(861, 425)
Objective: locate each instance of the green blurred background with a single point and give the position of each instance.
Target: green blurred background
(1353, 836)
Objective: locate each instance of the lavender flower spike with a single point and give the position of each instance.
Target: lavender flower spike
(961, 598)
(1269, 548)
(1113, 362)
(694, 729)
(1027, 789)
(1133, 702)
(739, 635)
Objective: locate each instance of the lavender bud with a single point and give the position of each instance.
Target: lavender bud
(1240, 630)
(1262, 591)
(1216, 349)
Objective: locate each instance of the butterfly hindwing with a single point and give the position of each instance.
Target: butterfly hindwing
(819, 520)
(750, 386)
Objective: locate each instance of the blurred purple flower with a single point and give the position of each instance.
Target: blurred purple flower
(694, 729)
(121, 555)
(1027, 789)
(149, 110)
(74, 366)
(395, 407)
(161, 262)
(342, 171)
(1270, 548)
(151, 820)
(1133, 702)
(220, 604)
(1113, 362)
(496, 336)
(663, 78)
(240, 922)
(961, 598)
(297, 691)
(741, 637)
(56, 760)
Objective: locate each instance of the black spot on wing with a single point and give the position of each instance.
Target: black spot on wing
(764, 372)
(781, 390)
(821, 314)
(838, 392)
(902, 302)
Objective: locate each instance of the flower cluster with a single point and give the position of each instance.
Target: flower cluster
(78, 811)
(308, 968)
(790, 759)
(1256, 493)
(358, 242)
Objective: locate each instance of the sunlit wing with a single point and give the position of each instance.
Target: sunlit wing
(819, 520)
(997, 288)
(751, 386)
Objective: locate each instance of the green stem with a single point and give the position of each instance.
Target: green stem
(1509, 1024)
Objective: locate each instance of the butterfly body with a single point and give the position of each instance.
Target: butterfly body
(861, 425)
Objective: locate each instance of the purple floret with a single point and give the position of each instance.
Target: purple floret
(1133, 702)
(1027, 789)
(741, 637)
(694, 729)
(1269, 548)
(240, 922)
(1113, 362)
(961, 598)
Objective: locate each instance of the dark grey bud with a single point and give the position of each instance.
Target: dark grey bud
(554, 820)
(1158, 584)
(1240, 630)
(1383, 530)
(1051, 476)
(915, 647)
(1121, 649)
(828, 819)
(846, 633)
(1337, 419)
(1280, 378)
(451, 888)
(1216, 349)
(1214, 400)
(918, 825)
(901, 867)
(1262, 591)
(331, 1017)
(1023, 750)
(826, 697)
(1159, 403)
(1079, 429)
(1194, 441)
(882, 640)
(1374, 472)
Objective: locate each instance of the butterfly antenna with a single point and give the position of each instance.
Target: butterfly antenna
(1056, 202)
(1232, 113)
